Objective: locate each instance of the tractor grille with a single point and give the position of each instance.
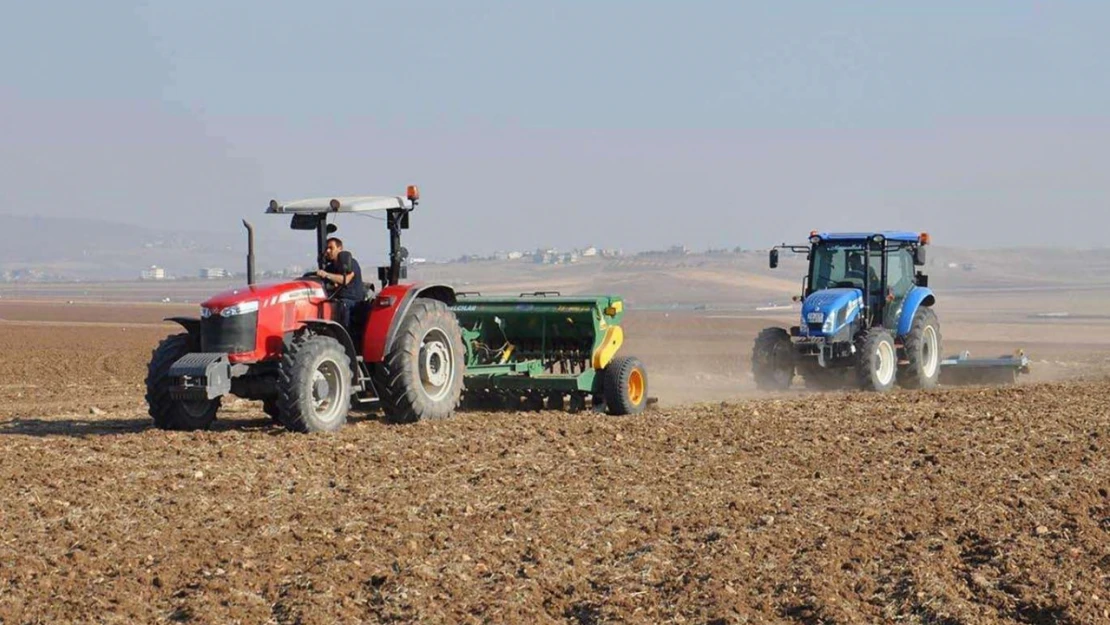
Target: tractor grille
(231, 335)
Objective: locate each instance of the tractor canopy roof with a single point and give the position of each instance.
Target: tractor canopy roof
(890, 235)
(350, 204)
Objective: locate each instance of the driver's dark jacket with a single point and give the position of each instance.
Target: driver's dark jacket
(344, 264)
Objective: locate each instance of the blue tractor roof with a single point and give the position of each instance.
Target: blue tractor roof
(891, 235)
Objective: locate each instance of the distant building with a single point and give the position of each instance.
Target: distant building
(515, 255)
(545, 256)
(154, 273)
(589, 251)
(293, 271)
(212, 273)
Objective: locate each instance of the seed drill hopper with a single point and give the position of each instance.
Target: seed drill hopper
(542, 349)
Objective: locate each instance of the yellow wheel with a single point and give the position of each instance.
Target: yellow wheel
(625, 386)
(636, 386)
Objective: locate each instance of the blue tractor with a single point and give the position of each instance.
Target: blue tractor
(867, 319)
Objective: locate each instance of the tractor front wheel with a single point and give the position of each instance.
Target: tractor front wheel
(878, 360)
(272, 410)
(169, 413)
(314, 384)
(773, 360)
(422, 374)
(624, 385)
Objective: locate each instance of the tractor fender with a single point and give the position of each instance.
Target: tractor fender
(388, 310)
(917, 297)
(339, 333)
(191, 325)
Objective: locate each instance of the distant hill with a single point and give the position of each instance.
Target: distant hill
(92, 249)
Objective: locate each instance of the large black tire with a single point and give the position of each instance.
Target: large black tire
(169, 413)
(878, 360)
(421, 376)
(922, 347)
(624, 384)
(314, 384)
(773, 359)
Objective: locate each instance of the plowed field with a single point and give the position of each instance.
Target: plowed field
(968, 505)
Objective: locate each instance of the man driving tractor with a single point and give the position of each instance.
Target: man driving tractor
(342, 275)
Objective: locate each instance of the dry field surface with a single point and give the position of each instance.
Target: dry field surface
(721, 505)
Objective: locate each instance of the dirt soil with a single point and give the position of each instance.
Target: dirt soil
(968, 505)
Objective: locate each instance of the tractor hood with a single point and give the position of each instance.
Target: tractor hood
(826, 312)
(250, 298)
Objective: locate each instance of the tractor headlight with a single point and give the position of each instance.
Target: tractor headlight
(831, 321)
(205, 312)
(241, 308)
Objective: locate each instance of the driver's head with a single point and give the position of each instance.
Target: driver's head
(855, 262)
(335, 246)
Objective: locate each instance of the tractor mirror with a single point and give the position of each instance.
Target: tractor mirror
(303, 222)
(773, 260)
(919, 256)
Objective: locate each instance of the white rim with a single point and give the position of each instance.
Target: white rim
(327, 385)
(885, 367)
(929, 356)
(436, 364)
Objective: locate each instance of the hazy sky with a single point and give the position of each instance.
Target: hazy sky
(631, 124)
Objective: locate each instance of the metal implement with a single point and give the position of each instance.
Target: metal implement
(963, 369)
(542, 349)
(201, 375)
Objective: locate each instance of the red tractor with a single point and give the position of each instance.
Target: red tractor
(281, 344)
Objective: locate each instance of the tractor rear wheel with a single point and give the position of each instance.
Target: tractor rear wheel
(169, 413)
(314, 384)
(773, 359)
(422, 374)
(624, 385)
(922, 347)
(878, 360)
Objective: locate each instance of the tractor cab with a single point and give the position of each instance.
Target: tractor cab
(859, 276)
(880, 267)
(313, 214)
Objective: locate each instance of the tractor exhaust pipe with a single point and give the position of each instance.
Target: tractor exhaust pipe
(250, 252)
